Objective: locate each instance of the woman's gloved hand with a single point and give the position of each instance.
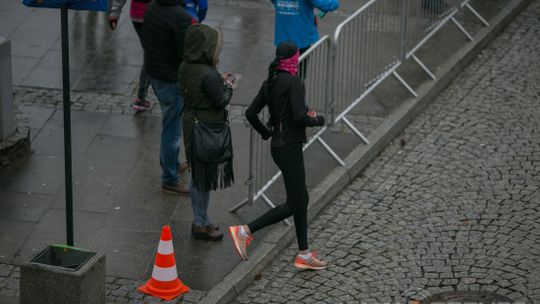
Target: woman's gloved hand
(269, 132)
(319, 119)
(113, 22)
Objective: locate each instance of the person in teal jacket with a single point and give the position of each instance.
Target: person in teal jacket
(295, 21)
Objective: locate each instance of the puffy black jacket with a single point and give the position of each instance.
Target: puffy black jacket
(202, 87)
(165, 24)
(285, 97)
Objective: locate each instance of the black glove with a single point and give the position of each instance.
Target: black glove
(268, 132)
(319, 120)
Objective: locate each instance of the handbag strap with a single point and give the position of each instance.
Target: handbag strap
(196, 116)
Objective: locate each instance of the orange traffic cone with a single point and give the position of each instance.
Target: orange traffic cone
(164, 282)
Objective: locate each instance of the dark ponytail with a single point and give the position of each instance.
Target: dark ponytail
(272, 72)
(272, 69)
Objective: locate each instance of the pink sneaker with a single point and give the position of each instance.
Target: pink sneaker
(240, 242)
(140, 105)
(312, 262)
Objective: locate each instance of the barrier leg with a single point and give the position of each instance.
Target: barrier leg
(424, 67)
(405, 84)
(239, 205)
(462, 29)
(330, 151)
(474, 12)
(355, 130)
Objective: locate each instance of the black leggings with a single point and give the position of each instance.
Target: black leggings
(290, 160)
(144, 80)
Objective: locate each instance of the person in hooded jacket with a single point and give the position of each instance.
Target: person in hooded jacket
(206, 96)
(283, 93)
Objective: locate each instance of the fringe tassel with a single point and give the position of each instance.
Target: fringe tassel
(207, 176)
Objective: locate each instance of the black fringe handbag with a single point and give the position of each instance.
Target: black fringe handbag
(212, 154)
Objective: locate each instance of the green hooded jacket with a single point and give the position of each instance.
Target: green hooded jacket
(204, 91)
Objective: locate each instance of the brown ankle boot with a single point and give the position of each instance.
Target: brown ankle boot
(206, 233)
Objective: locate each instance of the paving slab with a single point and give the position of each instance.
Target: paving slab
(13, 235)
(28, 207)
(38, 174)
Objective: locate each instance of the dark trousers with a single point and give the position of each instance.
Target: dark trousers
(144, 81)
(290, 160)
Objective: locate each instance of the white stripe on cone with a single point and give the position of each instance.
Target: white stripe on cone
(165, 247)
(164, 274)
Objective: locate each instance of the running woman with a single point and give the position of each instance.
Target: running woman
(283, 93)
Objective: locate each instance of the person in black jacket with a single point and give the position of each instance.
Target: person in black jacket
(207, 95)
(165, 24)
(283, 94)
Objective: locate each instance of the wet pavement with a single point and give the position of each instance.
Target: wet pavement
(108, 61)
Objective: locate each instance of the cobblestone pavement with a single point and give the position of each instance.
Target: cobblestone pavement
(454, 208)
(121, 104)
(92, 101)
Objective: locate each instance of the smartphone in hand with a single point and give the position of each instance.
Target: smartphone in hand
(231, 78)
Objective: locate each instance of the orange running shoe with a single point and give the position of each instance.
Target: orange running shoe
(240, 242)
(311, 263)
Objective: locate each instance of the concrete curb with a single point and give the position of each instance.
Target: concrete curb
(279, 236)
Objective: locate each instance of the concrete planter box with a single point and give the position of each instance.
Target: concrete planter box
(62, 274)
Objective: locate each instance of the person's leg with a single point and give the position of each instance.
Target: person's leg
(301, 199)
(289, 160)
(140, 103)
(201, 228)
(199, 204)
(171, 102)
(305, 259)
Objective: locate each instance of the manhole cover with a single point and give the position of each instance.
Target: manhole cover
(469, 297)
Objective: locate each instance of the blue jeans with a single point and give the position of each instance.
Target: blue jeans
(171, 102)
(199, 204)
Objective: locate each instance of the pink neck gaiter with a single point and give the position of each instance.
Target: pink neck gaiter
(289, 64)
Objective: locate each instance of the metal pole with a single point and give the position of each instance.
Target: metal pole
(67, 125)
(332, 83)
(251, 176)
(329, 82)
(403, 40)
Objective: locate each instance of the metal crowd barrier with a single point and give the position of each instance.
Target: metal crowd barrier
(367, 48)
(423, 19)
(366, 51)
